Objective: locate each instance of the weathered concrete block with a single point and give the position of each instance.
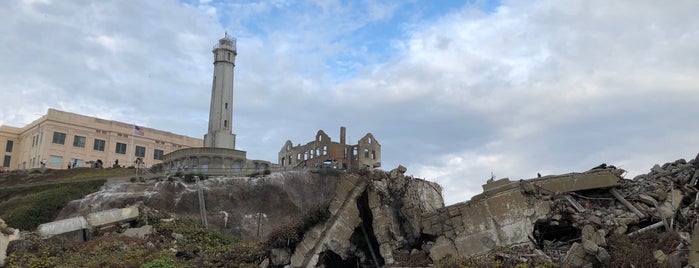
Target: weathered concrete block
(64, 226)
(112, 216)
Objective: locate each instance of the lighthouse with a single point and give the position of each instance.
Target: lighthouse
(220, 134)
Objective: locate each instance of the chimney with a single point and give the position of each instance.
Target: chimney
(342, 135)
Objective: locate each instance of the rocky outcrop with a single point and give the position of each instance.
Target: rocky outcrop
(374, 214)
(248, 208)
(334, 235)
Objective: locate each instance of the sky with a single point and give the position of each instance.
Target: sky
(456, 91)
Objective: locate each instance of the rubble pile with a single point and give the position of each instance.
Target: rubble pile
(577, 229)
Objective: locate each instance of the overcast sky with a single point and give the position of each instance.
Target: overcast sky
(453, 90)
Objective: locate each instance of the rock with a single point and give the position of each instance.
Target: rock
(660, 256)
(264, 263)
(576, 257)
(141, 232)
(177, 236)
(656, 168)
(279, 256)
(398, 172)
(595, 236)
(590, 247)
(603, 257)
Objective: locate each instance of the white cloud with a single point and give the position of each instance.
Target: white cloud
(527, 87)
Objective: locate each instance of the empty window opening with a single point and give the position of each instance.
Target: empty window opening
(550, 232)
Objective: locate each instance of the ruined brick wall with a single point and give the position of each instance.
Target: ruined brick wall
(316, 153)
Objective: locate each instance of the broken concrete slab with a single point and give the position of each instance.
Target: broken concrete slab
(504, 214)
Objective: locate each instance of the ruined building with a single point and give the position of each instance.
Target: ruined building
(323, 151)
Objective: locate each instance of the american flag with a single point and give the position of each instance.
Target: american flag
(138, 130)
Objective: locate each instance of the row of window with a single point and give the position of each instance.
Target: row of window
(99, 145)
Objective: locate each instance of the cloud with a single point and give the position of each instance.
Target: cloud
(451, 92)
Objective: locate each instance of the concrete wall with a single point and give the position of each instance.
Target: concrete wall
(79, 228)
(34, 142)
(220, 161)
(504, 214)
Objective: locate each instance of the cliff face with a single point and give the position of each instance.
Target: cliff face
(248, 208)
(374, 215)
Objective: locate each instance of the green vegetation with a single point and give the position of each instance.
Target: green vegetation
(28, 206)
(178, 243)
(325, 172)
(289, 235)
(497, 257)
(189, 177)
(637, 251)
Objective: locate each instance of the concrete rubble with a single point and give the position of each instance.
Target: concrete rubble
(566, 219)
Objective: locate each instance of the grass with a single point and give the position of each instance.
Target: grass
(26, 207)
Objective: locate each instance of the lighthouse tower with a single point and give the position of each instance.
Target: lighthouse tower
(220, 133)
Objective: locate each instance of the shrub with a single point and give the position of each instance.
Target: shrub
(34, 205)
(133, 179)
(638, 250)
(329, 172)
(189, 178)
(202, 176)
(234, 255)
(267, 171)
(162, 262)
(289, 235)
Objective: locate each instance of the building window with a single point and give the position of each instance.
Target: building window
(225, 123)
(140, 151)
(366, 153)
(229, 56)
(79, 141)
(6, 161)
(99, 145)
(226, 105)
(373, 154)
(8, 146)
(157, 154)
(120, 148)
(59, 138)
